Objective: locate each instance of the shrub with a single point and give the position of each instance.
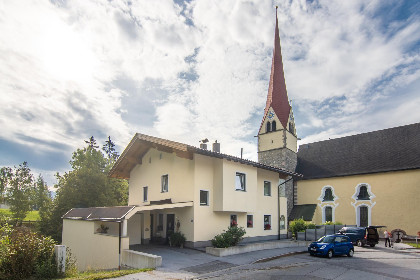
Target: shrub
(177, 239)
(25, 254)
(229, 238)
(310, 225)
(332, 223)
(297, 225)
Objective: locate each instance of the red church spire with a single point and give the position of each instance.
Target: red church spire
(277, 93)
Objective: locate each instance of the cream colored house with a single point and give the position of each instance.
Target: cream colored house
(177, 187)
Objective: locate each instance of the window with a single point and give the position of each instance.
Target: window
(240, 181)
(160, 222)
(249, 221)
(363, 193)
(267, 188)
(291, 128)
(267, 222)
(273, 126)
(328, 214)
(268, 127)
(165, 183)
(233, 220)
(204, 197)
(328, 196)
(145, 192)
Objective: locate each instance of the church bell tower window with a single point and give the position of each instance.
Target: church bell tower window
(268, 127)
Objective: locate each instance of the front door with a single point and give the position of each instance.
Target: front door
(151, 228)
(170, 224)
(364, 218)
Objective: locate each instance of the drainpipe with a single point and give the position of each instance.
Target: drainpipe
(119, 245)
(278, 202)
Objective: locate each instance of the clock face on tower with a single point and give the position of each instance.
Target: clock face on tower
(270, 115)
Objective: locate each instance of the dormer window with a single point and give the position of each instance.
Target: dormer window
(268, 127)
(273, 126)
(328, 196)
(363, 193)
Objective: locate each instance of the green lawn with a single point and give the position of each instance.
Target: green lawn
(413, 244)
(98, 275)
(31, 216)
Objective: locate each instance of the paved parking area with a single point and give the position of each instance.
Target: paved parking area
(367, 263)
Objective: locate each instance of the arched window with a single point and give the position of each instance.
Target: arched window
(363, 193)
(328, 196)
(273, 126)
(328, 214)
(268, 127)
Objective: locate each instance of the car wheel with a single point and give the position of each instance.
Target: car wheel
(312, 254)
(359, 243)
(330, 254)
(372, 245)
(350, 253)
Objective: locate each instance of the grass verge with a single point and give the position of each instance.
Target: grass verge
(31, 216)
(413, 244)
(98, 275)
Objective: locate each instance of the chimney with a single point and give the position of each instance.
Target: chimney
(216, 147)
(203, 146)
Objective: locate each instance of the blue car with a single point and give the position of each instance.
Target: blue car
(331, 245)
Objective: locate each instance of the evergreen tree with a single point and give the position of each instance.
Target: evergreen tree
(19, 185)
(109, 149)
(41, 195)
(86, 185)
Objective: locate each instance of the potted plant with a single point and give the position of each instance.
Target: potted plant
(102, 229)
(177, 239)
(267, 226)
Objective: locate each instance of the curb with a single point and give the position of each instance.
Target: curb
(279, 256)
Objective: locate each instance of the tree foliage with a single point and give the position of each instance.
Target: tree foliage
(86, 185)
(17, 185)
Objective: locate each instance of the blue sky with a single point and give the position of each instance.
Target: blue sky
(189, 70)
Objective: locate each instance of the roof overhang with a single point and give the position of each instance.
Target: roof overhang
(159, 207)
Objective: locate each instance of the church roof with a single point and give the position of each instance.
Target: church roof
(392, 149)
(277, 93)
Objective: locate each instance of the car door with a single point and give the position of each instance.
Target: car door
(338, 245)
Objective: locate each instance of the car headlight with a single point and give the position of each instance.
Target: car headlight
(323, 247)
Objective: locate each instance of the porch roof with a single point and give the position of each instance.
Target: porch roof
(116, 213)
(151, 207)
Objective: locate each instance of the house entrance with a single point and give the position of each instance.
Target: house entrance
(170, 224)
(364, 218)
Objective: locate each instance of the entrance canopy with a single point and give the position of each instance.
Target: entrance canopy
(119, 213)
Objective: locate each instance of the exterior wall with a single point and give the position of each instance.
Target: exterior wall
(155, 164)
(283, 158)
(134, 228)
(396, 203)
(218, 177)
(92, 250)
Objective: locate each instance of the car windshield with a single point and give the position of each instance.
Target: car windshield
(327, 239)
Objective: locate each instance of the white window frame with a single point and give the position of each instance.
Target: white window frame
(241, 187)
(163, 189)
(208, 198)
(269, 189)
(145, 194)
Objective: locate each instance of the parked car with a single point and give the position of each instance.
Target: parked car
(331, 245)
(362, 236)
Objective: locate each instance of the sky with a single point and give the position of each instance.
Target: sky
(189, 70)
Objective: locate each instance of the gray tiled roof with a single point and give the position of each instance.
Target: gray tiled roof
(115, 213)
(392, 149)
(304, 211)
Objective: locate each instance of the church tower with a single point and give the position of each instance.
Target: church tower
(277, 140)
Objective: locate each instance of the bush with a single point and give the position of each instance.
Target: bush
(310, 225)
(229, 238)
(177, 239)
(297, 226)
(25, 254)
(332, 223)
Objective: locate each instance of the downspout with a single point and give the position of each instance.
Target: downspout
(119, 245)
(278, 203)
